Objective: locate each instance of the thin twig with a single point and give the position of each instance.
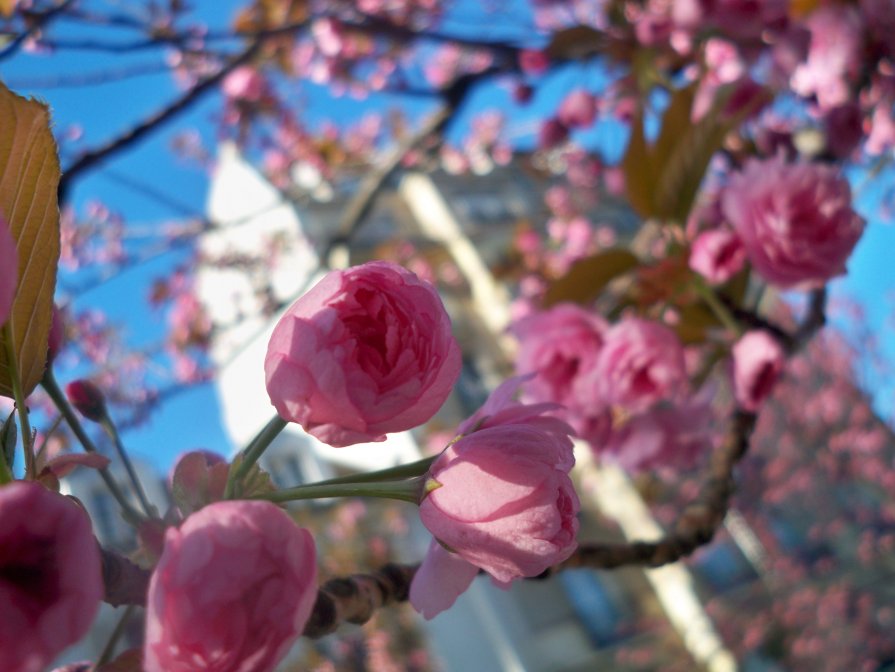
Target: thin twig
(114, 638)
(51, 387)
(814, 320)
(37, 24)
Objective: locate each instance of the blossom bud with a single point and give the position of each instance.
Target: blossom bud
(553, 132)
(757, 363)
(87, 398)
(717, 255)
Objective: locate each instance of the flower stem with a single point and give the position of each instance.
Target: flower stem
(398, 472)
(112, 431)
(253, 452)
(19, 395)
(409, 490)
(112, 642)
(51, 387)
(717, 307)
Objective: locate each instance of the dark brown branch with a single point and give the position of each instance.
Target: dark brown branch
(814, 320)
(697, 524)
(357, 209)
(356, 598)
(79, 80)
(151, 123)
(362, 201)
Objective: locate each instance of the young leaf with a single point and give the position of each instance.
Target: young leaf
(8, 437)
(29, 176)
(587, 277)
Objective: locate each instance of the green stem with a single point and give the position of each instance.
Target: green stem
(5, 473)
(55, 393)
(409, 470)
(19, 395)
(112, 431)
(253, 452)
(717, 307)
(410, 490)
(112, 642)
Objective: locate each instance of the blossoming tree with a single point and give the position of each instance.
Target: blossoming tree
(655, 353)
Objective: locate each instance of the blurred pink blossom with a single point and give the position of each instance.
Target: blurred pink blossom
(578, 109)
(50, 575)
(717, 255)
(232, 591)
(758, 360)
(641, 363)
(795, 220)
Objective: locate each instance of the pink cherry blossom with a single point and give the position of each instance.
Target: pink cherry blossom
(834, 56)
(758, 360)
(50, 575)
(795, 220)
(561, 346)
(366, 351)
(232, 591)
(533, 61)
(641, 362)
(503, 501)
(717, 255)
(9, 270)
(578, 109)
(667, 435)
(882, 130)
(244, 83)
(552, 133)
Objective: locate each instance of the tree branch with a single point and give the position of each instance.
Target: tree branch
(151, 123)
(814, 320)
(357, 209)
(37, 23)
(697, 524)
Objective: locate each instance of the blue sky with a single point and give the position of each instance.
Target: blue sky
(106, 110)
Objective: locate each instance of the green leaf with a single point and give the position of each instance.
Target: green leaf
(681, 176)
(29, 177)
(696, 319)
(587, 277)
(255, 482)
(639, 170)
(9, 435)
(574, 43)
(676, 122)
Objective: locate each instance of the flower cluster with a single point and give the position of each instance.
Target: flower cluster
(623, 388)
